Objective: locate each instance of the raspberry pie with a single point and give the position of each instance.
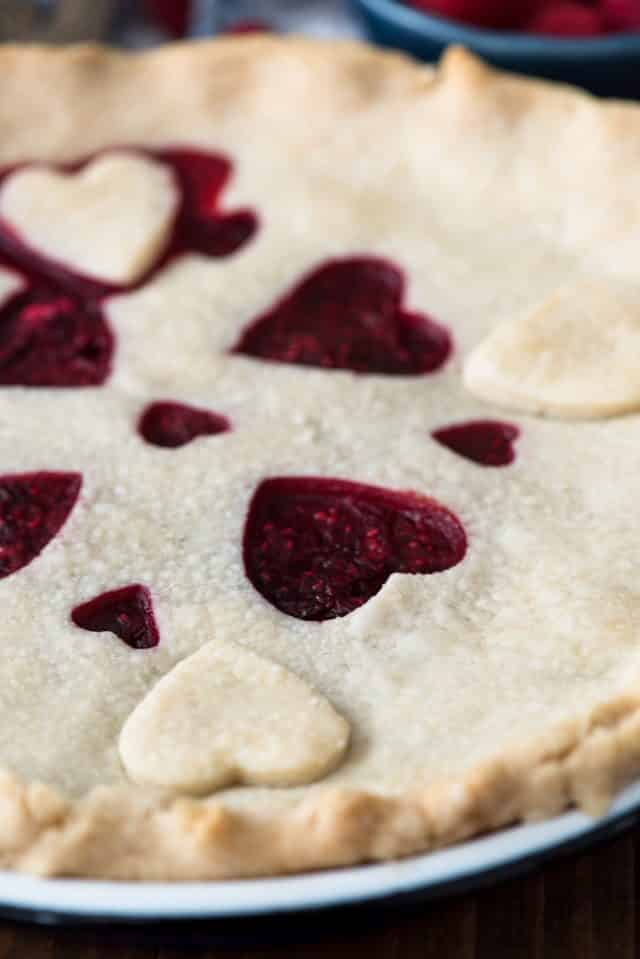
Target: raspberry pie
(320, 438)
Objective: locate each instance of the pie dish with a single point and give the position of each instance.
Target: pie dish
(319, 435)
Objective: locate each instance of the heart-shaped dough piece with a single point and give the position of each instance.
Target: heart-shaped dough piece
(108, 221)
(10, 283)
(576, 356)
(226, 716)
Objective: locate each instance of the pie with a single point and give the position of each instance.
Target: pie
(320, 438)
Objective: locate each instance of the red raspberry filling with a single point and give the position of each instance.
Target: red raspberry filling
(319, 548)
(173, 15)
(566, 20)
(621, 14)
(481, 13)
(126, 612)
(54, 333)
(174, 424)
(33, 509)
(200, 226)
(486, 442)
(348, 315)
(249, 26)
(53, 340)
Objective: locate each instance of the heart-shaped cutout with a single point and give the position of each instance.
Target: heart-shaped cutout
(485, 442)
(319, 548)
(171, 425)
(33, 509)
(126, 612)
(227, 716)
(576, 356)
(107, 220)
(349, 315)
(48, 339)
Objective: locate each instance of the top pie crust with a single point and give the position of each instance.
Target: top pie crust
(505, 688)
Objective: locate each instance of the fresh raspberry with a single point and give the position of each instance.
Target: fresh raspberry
(500, 14)
(566, 19)
(173, 15)
(248, 26)
(620, 14)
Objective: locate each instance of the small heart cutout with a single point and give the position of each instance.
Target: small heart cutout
(33, 510)
(226, 716)
(108, 220)
(126, 612)
(485, 442)
(575, 356)
(171, 425)
(53, 340)
(349, 315)
(318, 548)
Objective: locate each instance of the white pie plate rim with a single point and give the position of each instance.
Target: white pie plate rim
(467, 864)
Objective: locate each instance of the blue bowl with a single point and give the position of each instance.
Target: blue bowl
(607, 65)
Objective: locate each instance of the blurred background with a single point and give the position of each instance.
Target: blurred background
(137, 23)
(590, 43)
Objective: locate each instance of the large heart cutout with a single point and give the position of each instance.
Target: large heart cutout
(226, 716)
(33, 509)
(349, 315)
(107, 220)
(319, 548)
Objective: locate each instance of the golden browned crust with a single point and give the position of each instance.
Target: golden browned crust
(119, 834)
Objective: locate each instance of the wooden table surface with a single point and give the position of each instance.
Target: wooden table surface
(580, 907)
